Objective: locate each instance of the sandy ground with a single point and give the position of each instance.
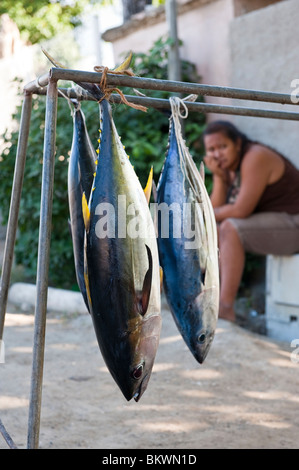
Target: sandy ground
(245, 395)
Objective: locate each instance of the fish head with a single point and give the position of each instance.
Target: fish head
(144, 342)
(202, 314)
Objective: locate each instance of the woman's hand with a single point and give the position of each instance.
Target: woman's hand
(212, 163)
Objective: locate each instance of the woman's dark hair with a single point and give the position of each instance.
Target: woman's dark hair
(230, 131)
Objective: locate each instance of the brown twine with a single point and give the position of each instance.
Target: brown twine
(109, 90)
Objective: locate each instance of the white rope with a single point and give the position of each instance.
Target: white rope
(176, 104)
(68, 100)
(81, 93)
(206, 225)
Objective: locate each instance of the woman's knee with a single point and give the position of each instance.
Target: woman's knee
(227, 230)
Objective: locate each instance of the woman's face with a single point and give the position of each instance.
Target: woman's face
(224, 151)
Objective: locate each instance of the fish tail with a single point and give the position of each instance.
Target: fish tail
(125, 64)
(53, 61)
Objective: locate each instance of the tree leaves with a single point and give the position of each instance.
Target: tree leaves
(43, 19)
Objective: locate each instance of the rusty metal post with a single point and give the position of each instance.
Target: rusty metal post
(14, 206)
(171, 86)
(48, 184)
(9, 441)
(43, 267)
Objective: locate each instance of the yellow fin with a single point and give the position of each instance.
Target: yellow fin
(87, 288)
(85, 212)
(148, 187)
(54, 62)
(125, 64)
(161, 278)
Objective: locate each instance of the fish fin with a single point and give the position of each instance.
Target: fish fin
(147, 284)
(148, 187)
(125, 64)
(86, 280)
(85, 212)
(53, 61)
(161, 278)
(154, 191)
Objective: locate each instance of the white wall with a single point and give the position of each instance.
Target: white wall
(205, 35)
(265, 56)
(204, 31)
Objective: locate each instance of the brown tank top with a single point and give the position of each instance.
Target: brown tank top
(281, 196)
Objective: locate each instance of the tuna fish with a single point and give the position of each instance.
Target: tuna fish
(188, 250)
(80, 178)
(122, 266)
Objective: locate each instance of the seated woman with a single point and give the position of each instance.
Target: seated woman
(255, 197)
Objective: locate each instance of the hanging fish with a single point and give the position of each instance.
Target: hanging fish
(121, 269)
(122, 266)
(188, 249)
(82, 165)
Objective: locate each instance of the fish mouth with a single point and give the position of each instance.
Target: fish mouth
(202, 352)
(140, 390)
(201, 355)
(200, 349)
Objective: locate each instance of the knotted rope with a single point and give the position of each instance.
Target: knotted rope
(109, 90)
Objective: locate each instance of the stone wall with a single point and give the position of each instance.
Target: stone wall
(265, 56)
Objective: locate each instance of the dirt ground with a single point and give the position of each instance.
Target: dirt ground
(245, 395)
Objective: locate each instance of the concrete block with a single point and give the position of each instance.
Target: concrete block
(23, 295)
(282, 330)
(282, 297)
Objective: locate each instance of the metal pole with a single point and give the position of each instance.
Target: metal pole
(43, 266)
(36, 84)
(174, 65)
(7, 437)
(160, 103)
(168, 85)
(14, 206)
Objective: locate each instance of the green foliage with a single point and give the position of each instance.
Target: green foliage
(61, 265)
(42, 19)
(144, 135)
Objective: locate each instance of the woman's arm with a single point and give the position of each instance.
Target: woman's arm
(219, 192)
(220, 181)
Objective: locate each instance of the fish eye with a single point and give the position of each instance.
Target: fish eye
(137, 372)
(201, 338)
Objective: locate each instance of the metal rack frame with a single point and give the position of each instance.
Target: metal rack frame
(47, 84)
